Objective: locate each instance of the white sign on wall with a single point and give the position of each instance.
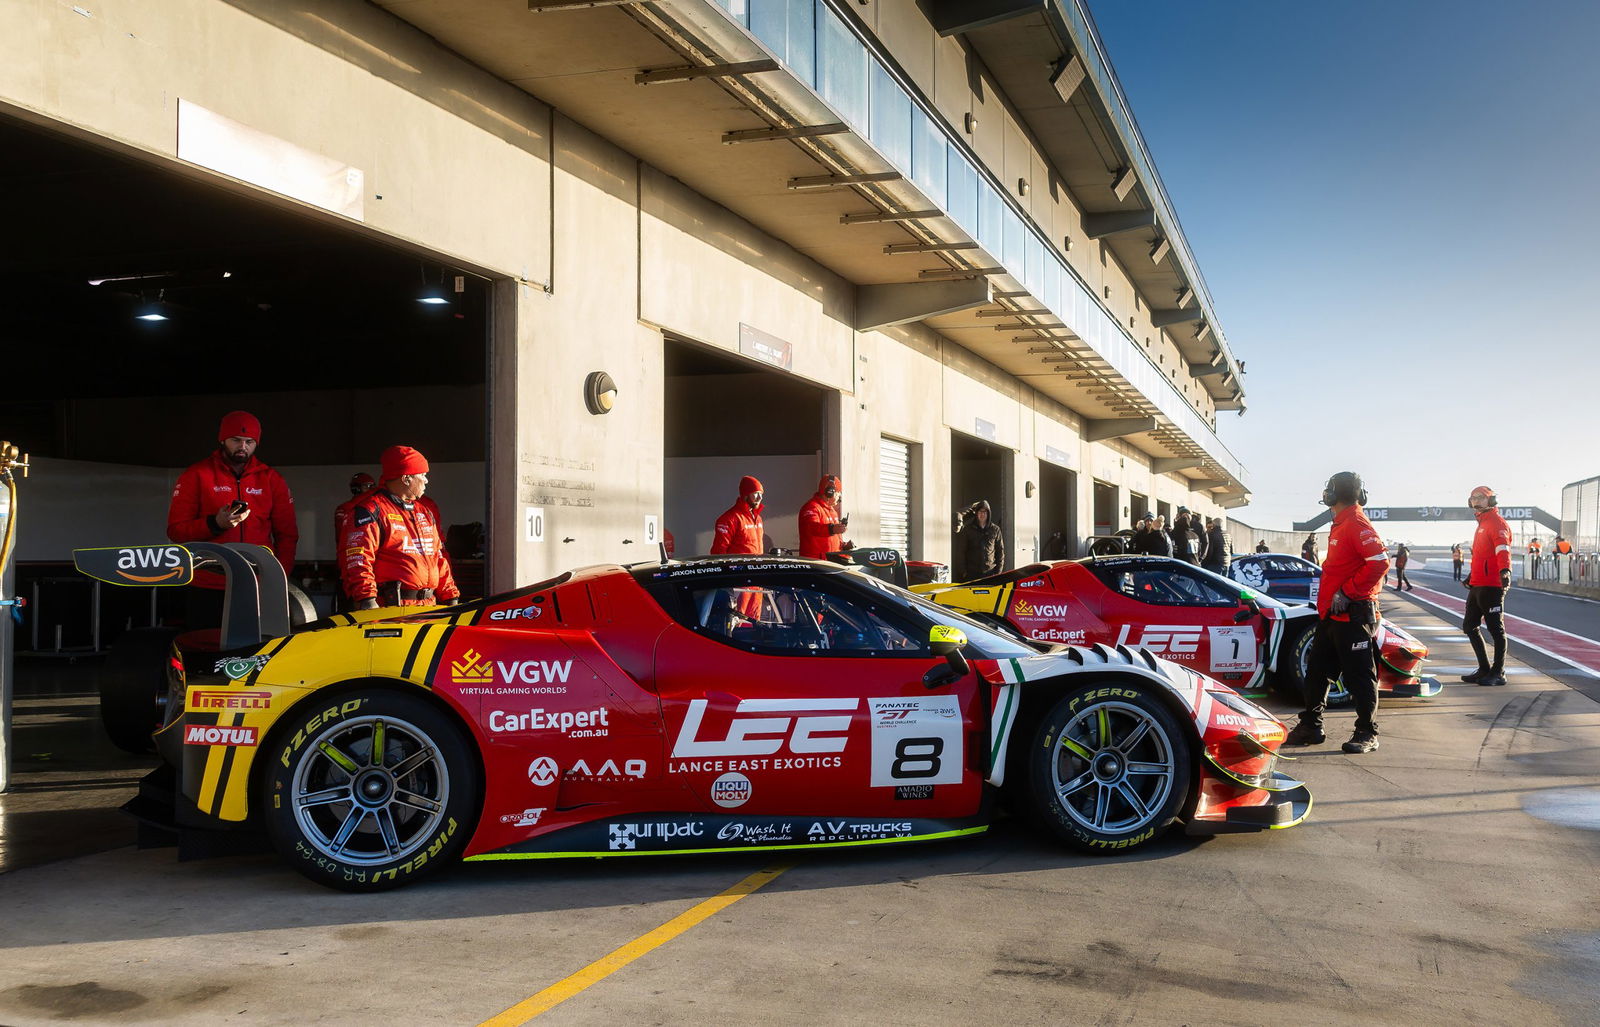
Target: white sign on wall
(533, 521)
(652, 529)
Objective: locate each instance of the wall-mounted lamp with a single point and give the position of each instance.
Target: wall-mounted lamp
(599, 392)
(970, 122)
(1022, 187)
(1027, 489)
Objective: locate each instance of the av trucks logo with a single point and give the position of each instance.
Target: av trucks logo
(1023, 608)
(750, 735)
(137, 565)
(1164, 638)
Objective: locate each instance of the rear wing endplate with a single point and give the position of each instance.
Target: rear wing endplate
(255, 603)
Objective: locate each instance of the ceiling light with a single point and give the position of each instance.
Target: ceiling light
(153, 310)
(433, 295)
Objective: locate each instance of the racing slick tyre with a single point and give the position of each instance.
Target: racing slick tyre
(1110, 767)
(1291, 680)
(133, 687)
(370, 790)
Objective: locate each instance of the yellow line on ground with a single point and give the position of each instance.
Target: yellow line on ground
(607, 965)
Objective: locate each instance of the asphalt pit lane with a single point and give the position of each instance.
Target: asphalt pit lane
(75, 1001)
(1569, 807)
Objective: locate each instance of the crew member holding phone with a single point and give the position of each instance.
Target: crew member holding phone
(1347, 603)
(821, 526)
(231, 496)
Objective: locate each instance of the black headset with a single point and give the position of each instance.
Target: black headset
(1344, 487)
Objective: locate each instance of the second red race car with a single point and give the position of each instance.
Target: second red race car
(1217, 627)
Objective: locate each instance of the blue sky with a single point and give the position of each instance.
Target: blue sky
(1395, 208)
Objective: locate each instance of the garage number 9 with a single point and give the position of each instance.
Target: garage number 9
(916, 758)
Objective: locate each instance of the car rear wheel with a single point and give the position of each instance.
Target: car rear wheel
(133, 687)
(371, 790)
(1110, 768)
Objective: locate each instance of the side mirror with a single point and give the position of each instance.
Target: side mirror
(947, 642)
(1251, 608)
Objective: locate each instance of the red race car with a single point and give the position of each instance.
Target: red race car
(1202, 620)
(714, 705)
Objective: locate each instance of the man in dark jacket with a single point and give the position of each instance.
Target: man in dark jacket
(1188, 542)
(1219, 548)
(1151, 540)
(983, 549)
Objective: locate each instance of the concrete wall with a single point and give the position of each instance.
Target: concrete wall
(595, 257)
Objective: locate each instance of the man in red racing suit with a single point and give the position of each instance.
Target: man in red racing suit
(821, 527)
(1347, 606)
(231, 496)
(393, 549)
(1487, 585)
(739, 529)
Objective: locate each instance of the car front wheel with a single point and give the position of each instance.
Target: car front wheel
(370, 790)
(1297, 671)
(1110, 768)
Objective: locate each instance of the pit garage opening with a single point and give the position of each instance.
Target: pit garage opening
(982, 470)
(726, 417)
(1058, 512)
(148, 304)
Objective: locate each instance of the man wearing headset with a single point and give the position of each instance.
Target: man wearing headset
(1487, 586)
(1347, 605)
(821, 528)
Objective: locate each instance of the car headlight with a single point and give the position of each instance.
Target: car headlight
(1239, 704)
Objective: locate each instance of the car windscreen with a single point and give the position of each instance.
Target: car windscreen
(1240, 589)
(989, 643)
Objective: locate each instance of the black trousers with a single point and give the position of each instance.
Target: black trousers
(1457, 565)
(1341, 649)
(1486, 605)
(1400, 579)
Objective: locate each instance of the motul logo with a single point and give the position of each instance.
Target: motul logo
(762, 736)
(204, 734)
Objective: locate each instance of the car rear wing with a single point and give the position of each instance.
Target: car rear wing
(884, 564)
(255, 603)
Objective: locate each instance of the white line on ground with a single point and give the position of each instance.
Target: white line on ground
(1536, 648)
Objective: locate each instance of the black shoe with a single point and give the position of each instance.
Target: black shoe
(1492, 679)
(1476, 677)
(1361, 741)
(1305, 733)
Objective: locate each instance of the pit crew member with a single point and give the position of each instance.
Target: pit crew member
(1487, 585)
(821, 527)
(1347, 604)
(393, 553)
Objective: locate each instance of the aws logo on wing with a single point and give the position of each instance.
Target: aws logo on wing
(159, 564)
(1023, 608)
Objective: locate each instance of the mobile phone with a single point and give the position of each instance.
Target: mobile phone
(238, 506)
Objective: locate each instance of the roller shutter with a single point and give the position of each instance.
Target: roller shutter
(894, 495)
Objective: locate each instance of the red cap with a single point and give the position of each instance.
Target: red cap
(399, 461)
(748, 484)
(360, 482)
(830, 481)
(1482, 490)
(241, 424)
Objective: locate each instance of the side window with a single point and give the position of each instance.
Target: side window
(1152, 586)
(1200, 591)
(796, 619)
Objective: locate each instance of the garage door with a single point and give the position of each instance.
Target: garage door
(894, 495)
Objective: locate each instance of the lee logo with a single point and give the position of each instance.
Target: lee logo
(1023, 608)
(165, 564)
(761, 736)
(1164, 638)
(203, 734)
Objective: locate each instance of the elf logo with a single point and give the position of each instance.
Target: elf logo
(1164, 638)
(168, 559)
(748, 735)
(1023, 608)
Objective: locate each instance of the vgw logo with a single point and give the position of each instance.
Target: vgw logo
(762, 736)
(168, 559)
(1165, 638)
(474, 668)
(1023, 608)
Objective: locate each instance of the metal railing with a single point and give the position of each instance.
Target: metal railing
(1574, 569)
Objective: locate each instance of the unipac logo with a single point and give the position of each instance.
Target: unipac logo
(473, 668)
(168, 559)
(203, 700)
(527, 818)
(1165, 638)
(731, 790)
(543, 771)
(744, 738)
(237, 668)
(628, 836)
(1023, 608)
(526, 612)
(205, 734)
